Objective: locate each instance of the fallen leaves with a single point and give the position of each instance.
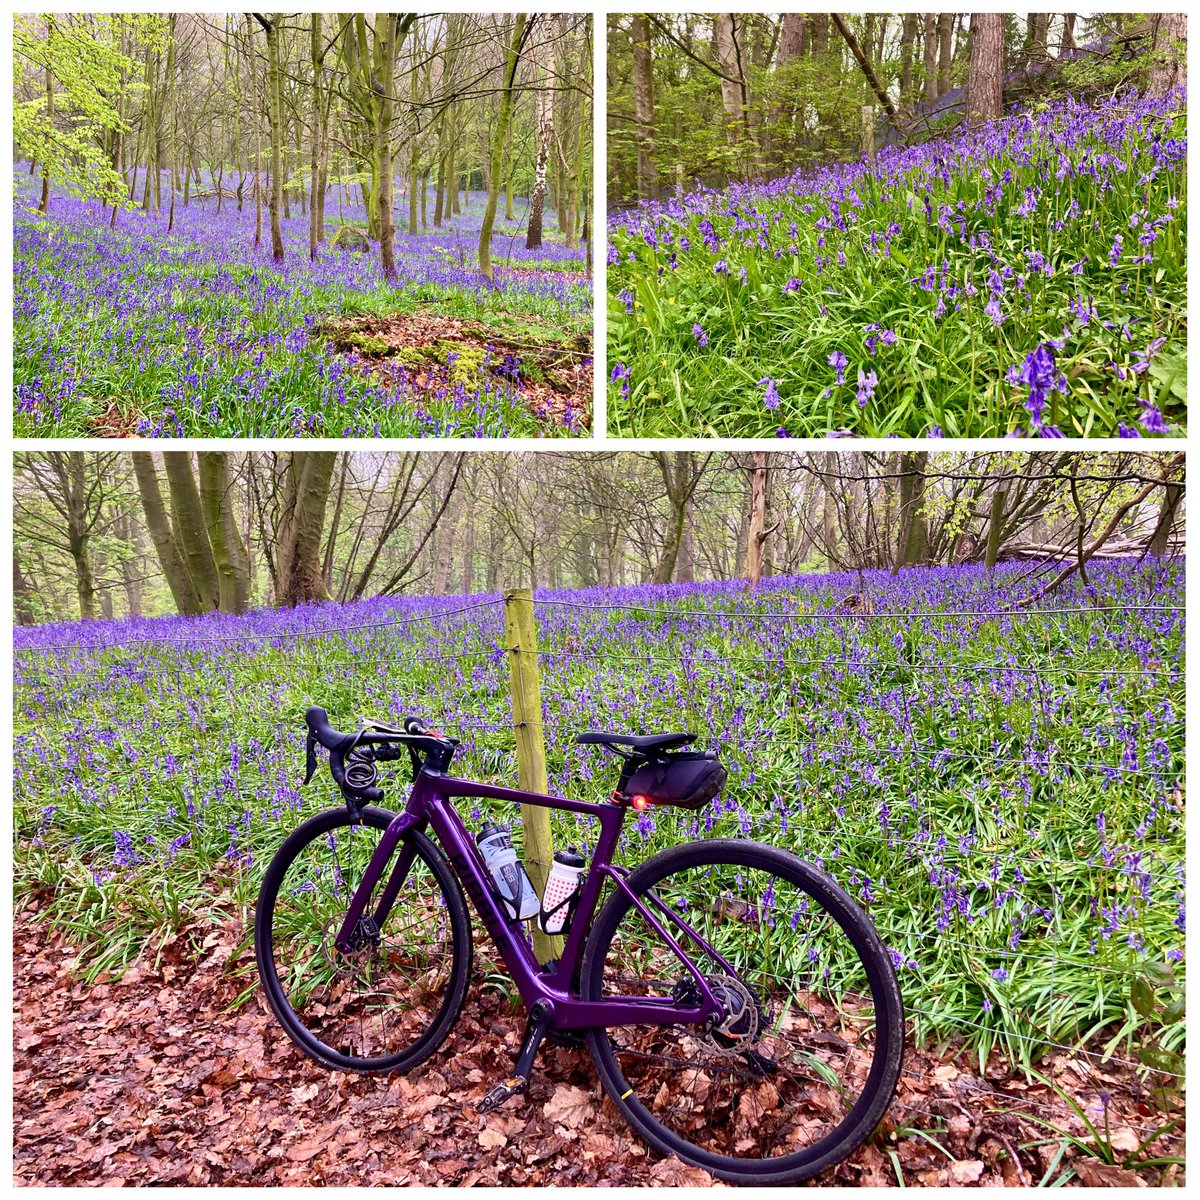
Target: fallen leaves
(570, 1106)
(966, 1171)
(153, 1077)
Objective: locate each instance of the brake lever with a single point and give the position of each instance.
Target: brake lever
(310, 759)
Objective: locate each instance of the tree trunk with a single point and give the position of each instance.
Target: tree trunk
(498, 140)
(1160, 540)
(383, 148)
(257, 137)
(166, 548)
(1036, 27)
(315, 55)
(131, 565)
(679, 477)
(820, 33)
(275, 108)
(44, 203)
(914, 531)
(945, 51)
(187, 511)
(793, 38)
(985, 100)
(1067, 44)
(757, 533)
(908, 38)
(22, 594)
(734, 93)
(643, 108)
(229, 554)
(929, 59)
(307, 479)
(1170, 53)
(995, 531)
(173, 127)
(544, 122)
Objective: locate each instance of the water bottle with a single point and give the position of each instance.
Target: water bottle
(562, 885)
(516, 891)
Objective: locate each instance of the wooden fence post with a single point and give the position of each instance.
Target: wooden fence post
(524, 684)
(868, 130)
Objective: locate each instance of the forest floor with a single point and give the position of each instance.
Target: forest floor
(131, 331)
(160, 1076)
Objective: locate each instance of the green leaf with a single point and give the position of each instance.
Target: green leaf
(1141, 995)
(1160, 974)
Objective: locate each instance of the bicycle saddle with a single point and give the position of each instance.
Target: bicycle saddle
(657, 741)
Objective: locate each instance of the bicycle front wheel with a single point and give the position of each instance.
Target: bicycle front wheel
(805, 1060)
(390, 1003)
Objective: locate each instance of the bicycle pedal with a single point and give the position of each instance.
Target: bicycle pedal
(501, 1092)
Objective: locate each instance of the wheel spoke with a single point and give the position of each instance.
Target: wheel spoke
(376, 1004)
(787, 1063)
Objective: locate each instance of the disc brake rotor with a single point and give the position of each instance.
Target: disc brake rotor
(739, 1027)
(355, 964)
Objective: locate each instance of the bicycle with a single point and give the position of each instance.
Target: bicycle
(740, 1009)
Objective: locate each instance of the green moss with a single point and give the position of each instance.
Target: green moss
(467, 360)
(364, 343)
(412, 357)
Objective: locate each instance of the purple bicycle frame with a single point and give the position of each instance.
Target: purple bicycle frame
(429, 805)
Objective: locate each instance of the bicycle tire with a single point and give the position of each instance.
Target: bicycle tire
(458, 927)
(887, 1015)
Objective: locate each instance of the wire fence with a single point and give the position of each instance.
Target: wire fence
(579, 655)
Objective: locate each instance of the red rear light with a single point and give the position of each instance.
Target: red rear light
(641, 802)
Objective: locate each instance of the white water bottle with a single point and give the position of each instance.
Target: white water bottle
(561, 885)
(508, 874)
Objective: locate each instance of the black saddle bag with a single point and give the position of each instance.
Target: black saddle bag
(689, 779)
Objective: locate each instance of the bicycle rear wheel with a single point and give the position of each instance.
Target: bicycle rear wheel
(805, 1062)
(390, 1004)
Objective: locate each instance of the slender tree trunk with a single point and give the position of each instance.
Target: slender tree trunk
(315, 54)
(387, 52)
(173, 143)
(913, 542)
(757, 533)
(131, 566)
(544, 122)
(929, 60)
(257, 137)
(735, 95)
(995, 530)
(44, 203)
(335, 525)
(643, 108)
(275, 102)
(945, 51)
(501, 133)
(22, 595)
(1067, 44)
(908, 38)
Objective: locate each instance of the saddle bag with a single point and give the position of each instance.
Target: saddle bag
(689, 779)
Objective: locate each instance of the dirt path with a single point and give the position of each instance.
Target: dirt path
(152, 1079)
